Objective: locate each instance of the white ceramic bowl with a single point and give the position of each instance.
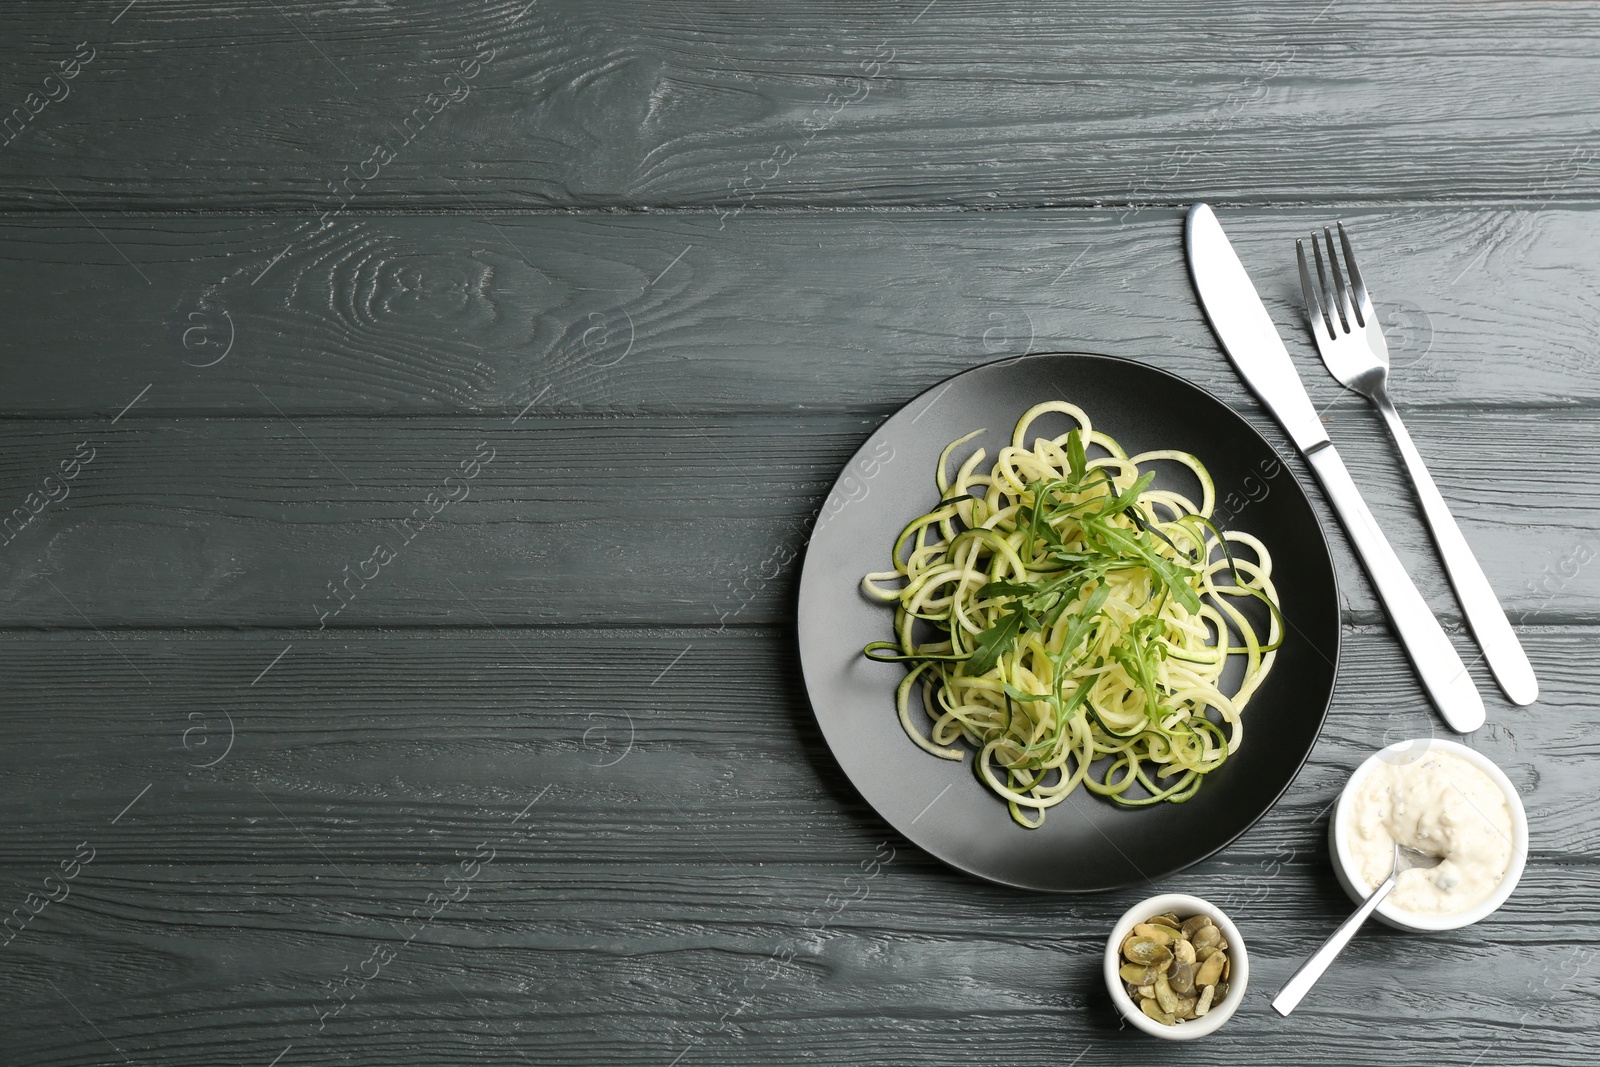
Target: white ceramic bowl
(1344, 864)
(1184, 905)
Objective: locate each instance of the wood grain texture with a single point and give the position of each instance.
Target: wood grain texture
(658, 746)
(633, 910)
(599, 103)
(551, 964)
(634, 521)
(643, 257)
(642, 314)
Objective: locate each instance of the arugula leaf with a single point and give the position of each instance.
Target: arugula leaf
(1079, 627)
(1030, 514)
(1146, 526)
(1164, 569)
(1078, 697)
(1130, 498)
(990, 590)
(1133, 661)
(997, 640)
(1077, 458)
(1173, 579)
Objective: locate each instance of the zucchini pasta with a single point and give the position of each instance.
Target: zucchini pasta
(1072, 623)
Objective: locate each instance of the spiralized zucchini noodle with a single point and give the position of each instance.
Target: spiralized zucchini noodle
(1081, 621)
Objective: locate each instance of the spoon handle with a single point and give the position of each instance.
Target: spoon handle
(1297, 987)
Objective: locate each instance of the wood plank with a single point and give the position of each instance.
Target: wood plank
(644, 314)
(399, 748)
(547, 962)
(633, 521)
(703, 102)
(590, 913)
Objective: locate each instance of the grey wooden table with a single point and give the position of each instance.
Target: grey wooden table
(403, 403)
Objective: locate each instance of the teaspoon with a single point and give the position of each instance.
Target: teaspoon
(1289, 997)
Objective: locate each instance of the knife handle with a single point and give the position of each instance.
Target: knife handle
(1438, 663)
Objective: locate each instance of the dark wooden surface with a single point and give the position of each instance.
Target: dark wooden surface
(642, 259)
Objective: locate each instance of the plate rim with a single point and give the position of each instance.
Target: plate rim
(1322, 541)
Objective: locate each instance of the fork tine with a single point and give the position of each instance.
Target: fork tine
(1314, 312)
(1346, 308)
(1335, 324)
(1363, 301)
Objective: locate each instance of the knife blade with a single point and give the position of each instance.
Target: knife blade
(1255, 349)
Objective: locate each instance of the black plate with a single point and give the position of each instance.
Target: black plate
(1086, 843)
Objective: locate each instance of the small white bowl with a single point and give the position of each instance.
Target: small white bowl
(1344, 864)
(1183, 905)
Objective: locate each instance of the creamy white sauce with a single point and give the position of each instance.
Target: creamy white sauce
(1436, 803)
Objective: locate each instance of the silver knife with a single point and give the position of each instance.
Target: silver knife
(1252, 343)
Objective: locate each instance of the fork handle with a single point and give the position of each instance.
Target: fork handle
(1507, 660)
(1438, 663)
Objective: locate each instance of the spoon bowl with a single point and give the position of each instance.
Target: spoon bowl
(1409, 859)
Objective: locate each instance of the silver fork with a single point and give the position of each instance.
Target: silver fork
(1354, 351)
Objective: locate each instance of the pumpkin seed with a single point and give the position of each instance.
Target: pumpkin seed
(1137, 974)
(1148, 952)
(1165, 996)
(1210, 972)
(1182, 979)
(1175, 969)
(1161, 935)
